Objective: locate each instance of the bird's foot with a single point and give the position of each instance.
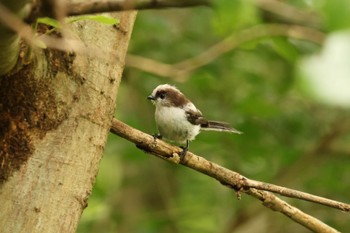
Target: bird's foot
(184, 151)
(157, 136)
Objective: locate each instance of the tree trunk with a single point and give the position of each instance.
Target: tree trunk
(55, 115)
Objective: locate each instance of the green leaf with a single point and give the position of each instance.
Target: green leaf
(40, 44)
(335, 13)
(98, 18)
(231, 15)
(285, 49)
(49, 21)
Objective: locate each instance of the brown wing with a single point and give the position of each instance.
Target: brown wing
(196, 118)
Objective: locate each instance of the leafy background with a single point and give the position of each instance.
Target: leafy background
(295, 134)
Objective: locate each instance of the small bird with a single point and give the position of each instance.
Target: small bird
(177, 118)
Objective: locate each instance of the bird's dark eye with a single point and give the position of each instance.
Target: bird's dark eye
(162, 95)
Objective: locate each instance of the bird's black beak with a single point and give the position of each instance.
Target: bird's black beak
(151, 97)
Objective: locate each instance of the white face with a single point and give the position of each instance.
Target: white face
(165, 96)
(160, 98)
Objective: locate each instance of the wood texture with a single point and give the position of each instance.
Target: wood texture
(50, 189)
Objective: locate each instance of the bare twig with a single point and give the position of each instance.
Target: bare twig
(282, 10)
(180, 71)
(91, 7)
(254, 33)
(287, 174)
(155, 67)
(289, 13)
(271, 201)
(297, 194)
(233, 179)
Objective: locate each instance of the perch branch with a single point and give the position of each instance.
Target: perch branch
(233, 179)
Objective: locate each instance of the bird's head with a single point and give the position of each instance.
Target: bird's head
(166, 95)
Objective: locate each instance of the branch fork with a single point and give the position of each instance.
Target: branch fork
(234, 180)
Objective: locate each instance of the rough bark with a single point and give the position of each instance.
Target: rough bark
(55, 115)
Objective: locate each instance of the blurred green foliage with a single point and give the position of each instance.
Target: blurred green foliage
(289, 138)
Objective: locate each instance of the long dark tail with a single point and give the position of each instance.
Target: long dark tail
(219, 126)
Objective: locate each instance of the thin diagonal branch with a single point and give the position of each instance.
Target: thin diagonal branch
(250, 34)
(290, 13)
(233, 179)
(271, 201)
(181, 70)
(287, 192)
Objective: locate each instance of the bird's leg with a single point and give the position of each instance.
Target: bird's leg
(184, 150)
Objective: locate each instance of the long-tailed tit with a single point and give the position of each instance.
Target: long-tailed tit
(178, 120)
